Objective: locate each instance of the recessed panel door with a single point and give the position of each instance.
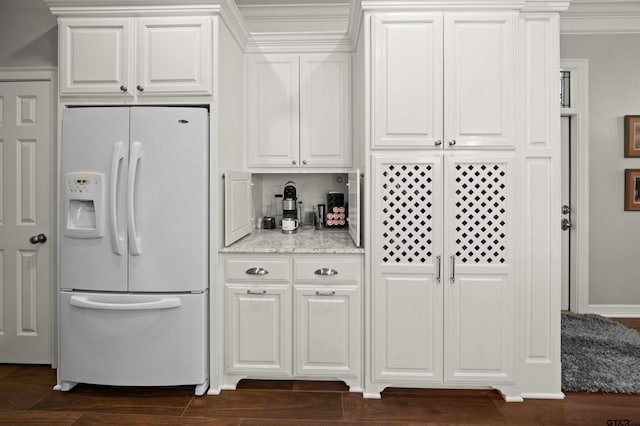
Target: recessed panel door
(26, 277)
(408, 282)
(478, 268)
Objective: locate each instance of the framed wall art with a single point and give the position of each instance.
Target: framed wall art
(632, 189)
(632, 136)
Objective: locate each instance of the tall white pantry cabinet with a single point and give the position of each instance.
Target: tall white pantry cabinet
(462, 140)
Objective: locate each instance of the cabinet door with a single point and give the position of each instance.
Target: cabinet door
(258, 329)
(325, 109)
(479, 291)
(407, 289)
(479, 76)
(407, 80)
(95, 56)
(327, 331)
(273, 110)
(174, 55)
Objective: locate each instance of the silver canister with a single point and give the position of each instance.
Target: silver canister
(322, 210)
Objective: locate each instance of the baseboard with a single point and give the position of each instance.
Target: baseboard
(616, 311)
(533, 395)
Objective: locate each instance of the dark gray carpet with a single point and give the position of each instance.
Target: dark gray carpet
(599, 355)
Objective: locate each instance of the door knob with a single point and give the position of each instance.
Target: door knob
(38, 239)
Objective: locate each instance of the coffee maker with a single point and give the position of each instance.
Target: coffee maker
(289, 208)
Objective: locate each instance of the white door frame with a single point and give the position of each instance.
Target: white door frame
(579, 112)
(50, 74)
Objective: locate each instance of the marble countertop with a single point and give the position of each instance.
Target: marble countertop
(303, 241)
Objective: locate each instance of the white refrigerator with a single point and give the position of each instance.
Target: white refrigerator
(134, 247)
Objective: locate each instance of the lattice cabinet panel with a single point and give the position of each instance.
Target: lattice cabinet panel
(480, 193)
(406, 213)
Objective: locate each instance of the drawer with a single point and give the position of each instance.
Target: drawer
(257, 269)
(327, 269)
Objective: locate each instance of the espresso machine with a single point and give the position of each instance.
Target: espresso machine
(289, 208)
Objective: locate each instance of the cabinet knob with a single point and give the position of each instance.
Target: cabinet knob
(140, 88)
(123, 88)
(293, 162)
(304, 161)
(452, 142)
(438, 142)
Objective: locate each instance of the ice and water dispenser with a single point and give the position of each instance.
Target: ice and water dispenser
(84, 205)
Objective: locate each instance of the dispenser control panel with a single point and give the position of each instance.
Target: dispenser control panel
(84, 205)
(85, 184)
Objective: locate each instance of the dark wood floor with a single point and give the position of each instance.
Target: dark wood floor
(26, 397)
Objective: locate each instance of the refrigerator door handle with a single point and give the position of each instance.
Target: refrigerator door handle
(134, 162)
(116, 163)
(87, 303)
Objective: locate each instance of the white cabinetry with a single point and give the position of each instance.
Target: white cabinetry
(443, 267)
(444, 150)
(315, 334)
(134, 58)
(299, 110)
(455, 86)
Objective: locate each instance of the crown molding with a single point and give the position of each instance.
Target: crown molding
(317, 17)
(298, 42)
(601, 17)
(234, 21)
(133, 7)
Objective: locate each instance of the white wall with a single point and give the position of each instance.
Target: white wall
(28, 34)
(614, 91)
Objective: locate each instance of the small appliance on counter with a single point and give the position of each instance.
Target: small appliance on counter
(336, 213)
(289, 208)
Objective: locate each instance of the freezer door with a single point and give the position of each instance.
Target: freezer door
(95, 145)
(168, 199)
(133, 340)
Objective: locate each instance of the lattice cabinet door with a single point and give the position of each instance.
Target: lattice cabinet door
(407, 328)
(479, 291)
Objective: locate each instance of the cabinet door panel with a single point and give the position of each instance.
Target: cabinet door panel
(273, 110)
(479, 78)
(174, 55)
(327, 331)
(480, 294)
(407, 80)
(325, 109)
(407, 292)
(95, 56)
(258, 330)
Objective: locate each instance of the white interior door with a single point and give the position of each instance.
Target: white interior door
(26, 284)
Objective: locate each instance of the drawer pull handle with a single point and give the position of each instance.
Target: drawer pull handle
(256, 271)
(325, 293)
(326, 271)
(257, 292)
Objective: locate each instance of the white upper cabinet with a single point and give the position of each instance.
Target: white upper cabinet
(299, 110)
(273, 110)
(454, 87)
(95, 55)
(133, 58)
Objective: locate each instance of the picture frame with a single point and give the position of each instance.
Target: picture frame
(631, 136)
(632, 190)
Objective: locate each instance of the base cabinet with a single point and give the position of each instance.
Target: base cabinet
(326, 331)
(259, 336)
(293, 316)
